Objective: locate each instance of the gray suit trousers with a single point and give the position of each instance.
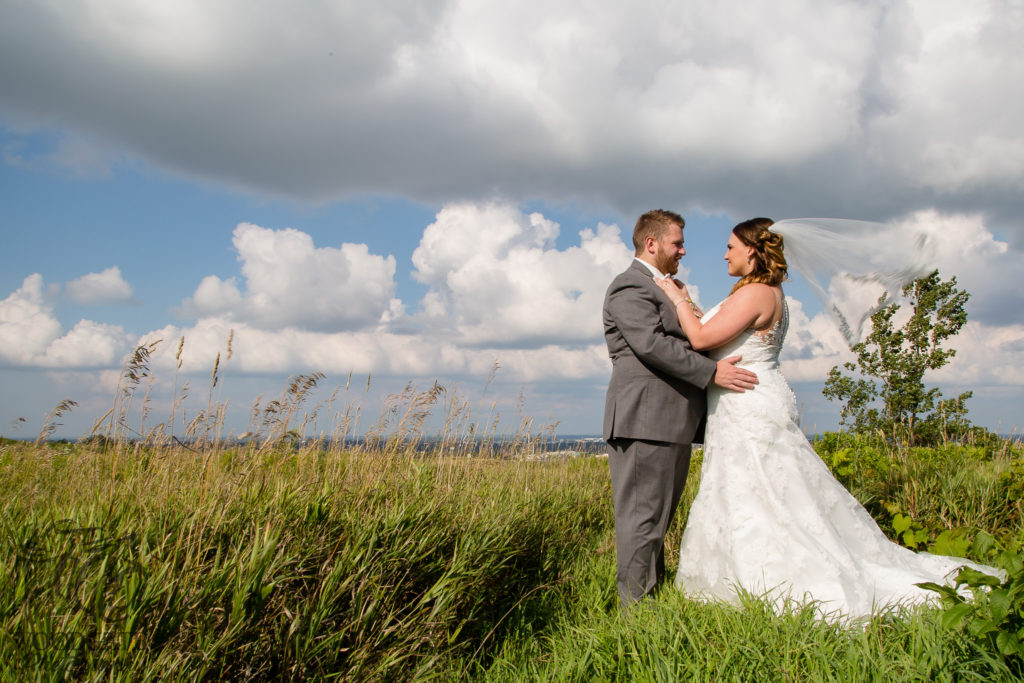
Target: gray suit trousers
(648, 478)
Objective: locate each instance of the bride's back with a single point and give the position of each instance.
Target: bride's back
(758, 347)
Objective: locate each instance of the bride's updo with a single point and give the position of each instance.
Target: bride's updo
(768, 260)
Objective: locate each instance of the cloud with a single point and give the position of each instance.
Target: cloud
(99, 288)
(27, 324)
(289, 282)
(257, 351)
(502, 285)
(861, 109)
(84, 158)
(966, 53)
(499, 289)
(30, 334)
(496, 277)
(813, 345)
(87, 344)
(983, 265)
(986, 355)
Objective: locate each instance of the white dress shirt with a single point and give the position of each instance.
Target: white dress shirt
(658, 275)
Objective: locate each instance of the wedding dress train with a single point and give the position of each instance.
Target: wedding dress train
(771, 519)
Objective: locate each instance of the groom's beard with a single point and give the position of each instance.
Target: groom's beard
(667, 265)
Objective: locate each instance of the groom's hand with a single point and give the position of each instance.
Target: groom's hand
(728, 376)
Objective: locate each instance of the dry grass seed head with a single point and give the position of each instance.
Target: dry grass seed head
(50, 424)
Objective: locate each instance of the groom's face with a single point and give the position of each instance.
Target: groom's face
(668, 250)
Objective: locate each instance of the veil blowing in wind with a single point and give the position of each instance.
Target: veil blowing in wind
(849, 264)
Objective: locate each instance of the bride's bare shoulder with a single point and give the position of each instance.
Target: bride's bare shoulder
(757, 300)
(754, 292)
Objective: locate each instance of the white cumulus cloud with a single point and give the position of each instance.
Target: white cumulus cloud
(499, 289)
(27, 324)
(986, 356)
(288, 281)
(497, 278)
(31, 335)
(982, 263)
(813, 345)
(259, 351)
(107, 286)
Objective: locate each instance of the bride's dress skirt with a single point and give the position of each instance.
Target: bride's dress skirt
(769, 517)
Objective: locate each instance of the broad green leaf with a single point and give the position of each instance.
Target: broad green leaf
(1008, 643)
(901, 523)
(947, 592)
(974, 578)
(954, 616)
(999, 602)
(982, 627)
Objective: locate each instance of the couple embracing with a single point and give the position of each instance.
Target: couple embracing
(769, 518)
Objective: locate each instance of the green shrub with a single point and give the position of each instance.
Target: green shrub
(993, 614)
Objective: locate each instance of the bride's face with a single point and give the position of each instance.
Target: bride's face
(739, 257)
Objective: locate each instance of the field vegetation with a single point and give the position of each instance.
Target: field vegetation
(161, 552)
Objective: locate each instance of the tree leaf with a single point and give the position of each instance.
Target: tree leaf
(982, 627)
(999, 603)
(954, 616)
(1008, 643)
(947, 592)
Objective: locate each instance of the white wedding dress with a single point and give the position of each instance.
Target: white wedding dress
(770, 518)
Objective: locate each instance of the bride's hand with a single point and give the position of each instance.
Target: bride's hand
(675, 290)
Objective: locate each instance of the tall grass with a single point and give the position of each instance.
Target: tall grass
(150, 553)
(276, 564)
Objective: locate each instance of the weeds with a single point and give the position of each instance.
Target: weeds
(411, 555)
(298, 565)
(994, 614)
(50, 424)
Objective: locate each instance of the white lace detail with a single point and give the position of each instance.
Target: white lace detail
(776, 334)
(770, 518)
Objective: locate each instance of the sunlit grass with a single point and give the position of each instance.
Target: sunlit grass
(277, 564)
(168, 552)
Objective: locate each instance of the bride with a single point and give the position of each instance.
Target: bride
(769, 518)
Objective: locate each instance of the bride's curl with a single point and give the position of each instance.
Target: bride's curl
(769, 263)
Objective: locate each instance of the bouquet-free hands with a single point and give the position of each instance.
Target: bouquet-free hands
(678, 294)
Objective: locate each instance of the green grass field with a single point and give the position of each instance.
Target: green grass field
(143, 559)
(129, 563)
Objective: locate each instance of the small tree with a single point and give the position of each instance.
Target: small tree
(885, 391)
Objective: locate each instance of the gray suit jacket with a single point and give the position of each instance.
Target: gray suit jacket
(656, 391)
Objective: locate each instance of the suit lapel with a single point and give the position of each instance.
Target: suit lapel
(669, 319)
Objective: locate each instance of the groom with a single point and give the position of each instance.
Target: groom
(655, 402)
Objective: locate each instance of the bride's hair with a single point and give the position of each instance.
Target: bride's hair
(769, 262)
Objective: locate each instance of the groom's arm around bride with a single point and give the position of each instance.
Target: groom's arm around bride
(655, 402)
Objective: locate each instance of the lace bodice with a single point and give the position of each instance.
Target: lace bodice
(757, 348)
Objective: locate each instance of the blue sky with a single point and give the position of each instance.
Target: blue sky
(415, 195)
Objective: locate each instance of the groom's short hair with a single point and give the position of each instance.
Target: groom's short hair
(654, 224)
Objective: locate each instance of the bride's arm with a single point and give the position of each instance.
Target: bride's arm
(741, 311)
